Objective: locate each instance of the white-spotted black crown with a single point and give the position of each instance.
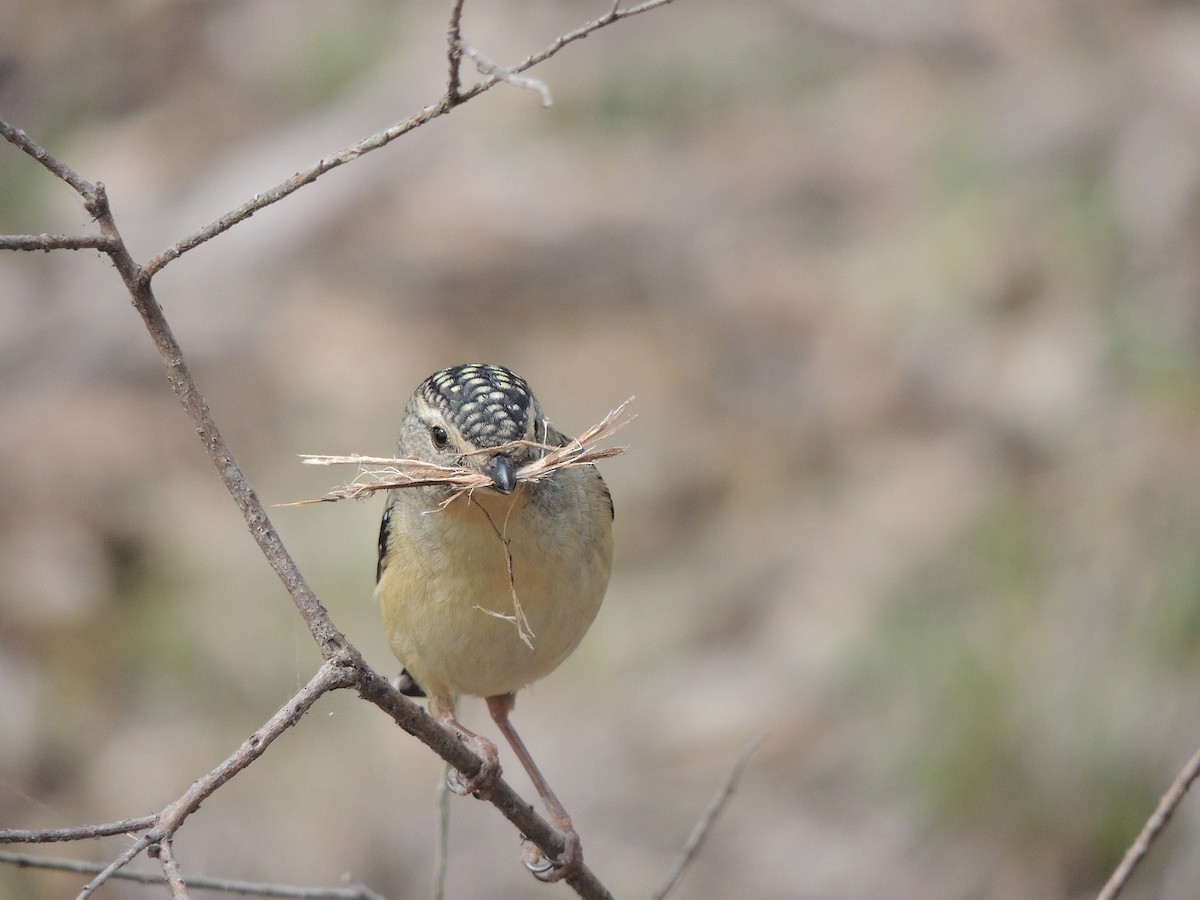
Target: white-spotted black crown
(489, 405)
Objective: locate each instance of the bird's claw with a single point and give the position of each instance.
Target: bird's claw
(550, 870)
(537, 863)
(480, 785)
(483, 782)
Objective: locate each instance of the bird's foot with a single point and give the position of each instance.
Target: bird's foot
(483, 782)
(550, 870)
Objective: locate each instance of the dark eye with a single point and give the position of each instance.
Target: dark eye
(440, 438)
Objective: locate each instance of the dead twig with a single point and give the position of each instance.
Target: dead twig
(441, 855)
(170, 867)
(487, 67)
(700, 832)
(454, 96)
(228, 886)
(1150, 831)
(329, 677)
(48, 242)
(79, 833)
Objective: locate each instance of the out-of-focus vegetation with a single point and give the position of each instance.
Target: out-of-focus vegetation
(909, 295)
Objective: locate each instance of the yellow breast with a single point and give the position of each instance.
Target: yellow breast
(453, 615)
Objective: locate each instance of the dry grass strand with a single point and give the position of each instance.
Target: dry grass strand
(379, 473)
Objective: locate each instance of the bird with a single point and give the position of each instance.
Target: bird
(485, 592)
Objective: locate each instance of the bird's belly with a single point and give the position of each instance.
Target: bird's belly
(456, 623)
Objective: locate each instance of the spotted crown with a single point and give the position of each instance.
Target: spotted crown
(489, 405)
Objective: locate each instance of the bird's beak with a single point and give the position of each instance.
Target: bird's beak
(502, 472)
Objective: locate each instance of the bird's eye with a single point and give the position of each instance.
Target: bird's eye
(440, 438)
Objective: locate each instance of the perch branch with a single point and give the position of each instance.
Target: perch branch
(376, 689)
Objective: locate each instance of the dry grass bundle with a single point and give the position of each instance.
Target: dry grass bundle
(377, 473)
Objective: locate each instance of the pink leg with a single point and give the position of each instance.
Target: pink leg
(482, 783)
(545, 870)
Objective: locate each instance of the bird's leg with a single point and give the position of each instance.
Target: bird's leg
(572, 856)
(482, 782)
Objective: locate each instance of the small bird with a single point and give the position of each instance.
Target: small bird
(489, 592)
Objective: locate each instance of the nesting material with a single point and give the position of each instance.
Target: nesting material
(378, 473)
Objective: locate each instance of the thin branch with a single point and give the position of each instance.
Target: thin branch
(137, 281)
(79, 833)
(48, 242)
(293, 184)
(383, 138)
(228, 886)
(170, 867)
(1151, 830)
(454, 53)
(441, 855)
(613, 15)
(700, 832)
(487, 67)
(130, 854)
(329, 640)
(329, 677)
(60, 169)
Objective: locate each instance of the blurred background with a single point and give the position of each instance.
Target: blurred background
(908, 293)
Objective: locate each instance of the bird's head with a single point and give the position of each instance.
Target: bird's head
(458, 414)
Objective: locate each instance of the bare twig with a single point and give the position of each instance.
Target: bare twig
(137, 281)
(228, 886)
(441, 854)
(700, 832)
(79, 833)
(487, 67)
(453, 98)
(48, 242)
(329, 677)
(60, 169)
(1150, 831)
(170, 867)
(454, 52)
(130, 854)
(613, 15)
